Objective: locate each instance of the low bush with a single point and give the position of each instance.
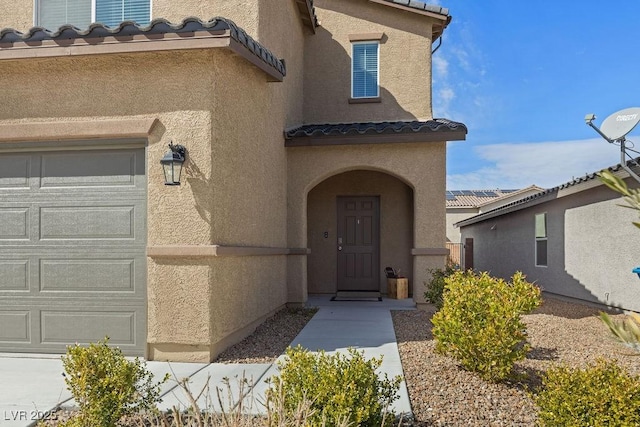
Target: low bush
(106, 386)
(480, 322)
(332, 390)
(603, 394)
(436, 286)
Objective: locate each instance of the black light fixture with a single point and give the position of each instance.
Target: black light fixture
(172, 164)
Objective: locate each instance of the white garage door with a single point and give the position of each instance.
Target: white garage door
(72, 249)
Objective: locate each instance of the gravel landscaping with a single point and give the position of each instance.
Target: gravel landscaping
(270, 339)
(442, 394)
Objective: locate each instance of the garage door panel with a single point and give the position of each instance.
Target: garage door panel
(14, 223)
(14, 275)
(93, 275)
(96, 222)
(16, 171)
(90, 169)
(64, 327)
(15, 326)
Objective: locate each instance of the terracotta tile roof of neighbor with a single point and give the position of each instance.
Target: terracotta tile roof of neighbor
(548, 194)
(474, 198)
(65, 33)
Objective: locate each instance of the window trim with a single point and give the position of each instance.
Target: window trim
(357, 98)
(36, 13)
(539, 239)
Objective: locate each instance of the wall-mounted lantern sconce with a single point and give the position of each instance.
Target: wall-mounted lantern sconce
(172, 164)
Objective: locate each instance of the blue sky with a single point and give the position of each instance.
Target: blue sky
(522, 75)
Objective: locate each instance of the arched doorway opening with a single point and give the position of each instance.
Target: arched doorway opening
(366, 208)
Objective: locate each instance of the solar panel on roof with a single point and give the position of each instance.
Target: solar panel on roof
(491, 193)
(467, 193)
(450, 197)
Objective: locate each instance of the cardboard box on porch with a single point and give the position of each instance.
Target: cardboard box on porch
(398, 288)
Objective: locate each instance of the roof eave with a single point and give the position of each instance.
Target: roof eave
(308, 15)
(101, 40)
(366, 138)
(438, 28)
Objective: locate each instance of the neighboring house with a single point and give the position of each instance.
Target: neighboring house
(313, 161)
(463, 204)
(574, 240)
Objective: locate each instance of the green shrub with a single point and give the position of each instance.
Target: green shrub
(339, 389)
(107, 386)
(480, 324)
(603, 394)
(436, 286)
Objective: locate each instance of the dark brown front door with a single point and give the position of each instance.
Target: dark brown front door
(358, 244)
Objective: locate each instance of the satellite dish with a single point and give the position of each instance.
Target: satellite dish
(619, 124)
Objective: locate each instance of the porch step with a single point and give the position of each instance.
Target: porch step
(357, 296)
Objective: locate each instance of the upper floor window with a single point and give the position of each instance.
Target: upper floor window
(51, 14)
(541, 240)
(365, 63)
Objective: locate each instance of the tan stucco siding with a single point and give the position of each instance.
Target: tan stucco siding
(17, 14)
(244, 13)
(592, 247)
(420, 166)
(248, 160)
(274, 22)
(396, 225)
(405, 63)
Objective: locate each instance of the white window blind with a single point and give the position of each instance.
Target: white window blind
(54, 13)
(113, 12)
(80, 13)
(364, 70)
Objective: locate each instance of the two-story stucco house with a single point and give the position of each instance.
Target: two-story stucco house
(312, 162)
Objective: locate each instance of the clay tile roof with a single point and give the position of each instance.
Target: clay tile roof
(421, 6)
(474, 198)
(376, 128)
(157, 26)
(308, 13)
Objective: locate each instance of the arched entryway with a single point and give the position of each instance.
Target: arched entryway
(367, 208)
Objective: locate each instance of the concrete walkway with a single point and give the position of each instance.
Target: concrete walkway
(32, 385)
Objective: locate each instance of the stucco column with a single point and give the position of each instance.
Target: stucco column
(296, 238)
(429, 250)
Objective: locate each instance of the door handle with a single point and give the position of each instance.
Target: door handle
(339, 248)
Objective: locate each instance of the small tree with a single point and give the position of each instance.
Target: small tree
(627, 331)
(631, 196)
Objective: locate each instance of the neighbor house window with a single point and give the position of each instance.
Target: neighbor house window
(541, 240)
(51, 14)
(365, 69)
